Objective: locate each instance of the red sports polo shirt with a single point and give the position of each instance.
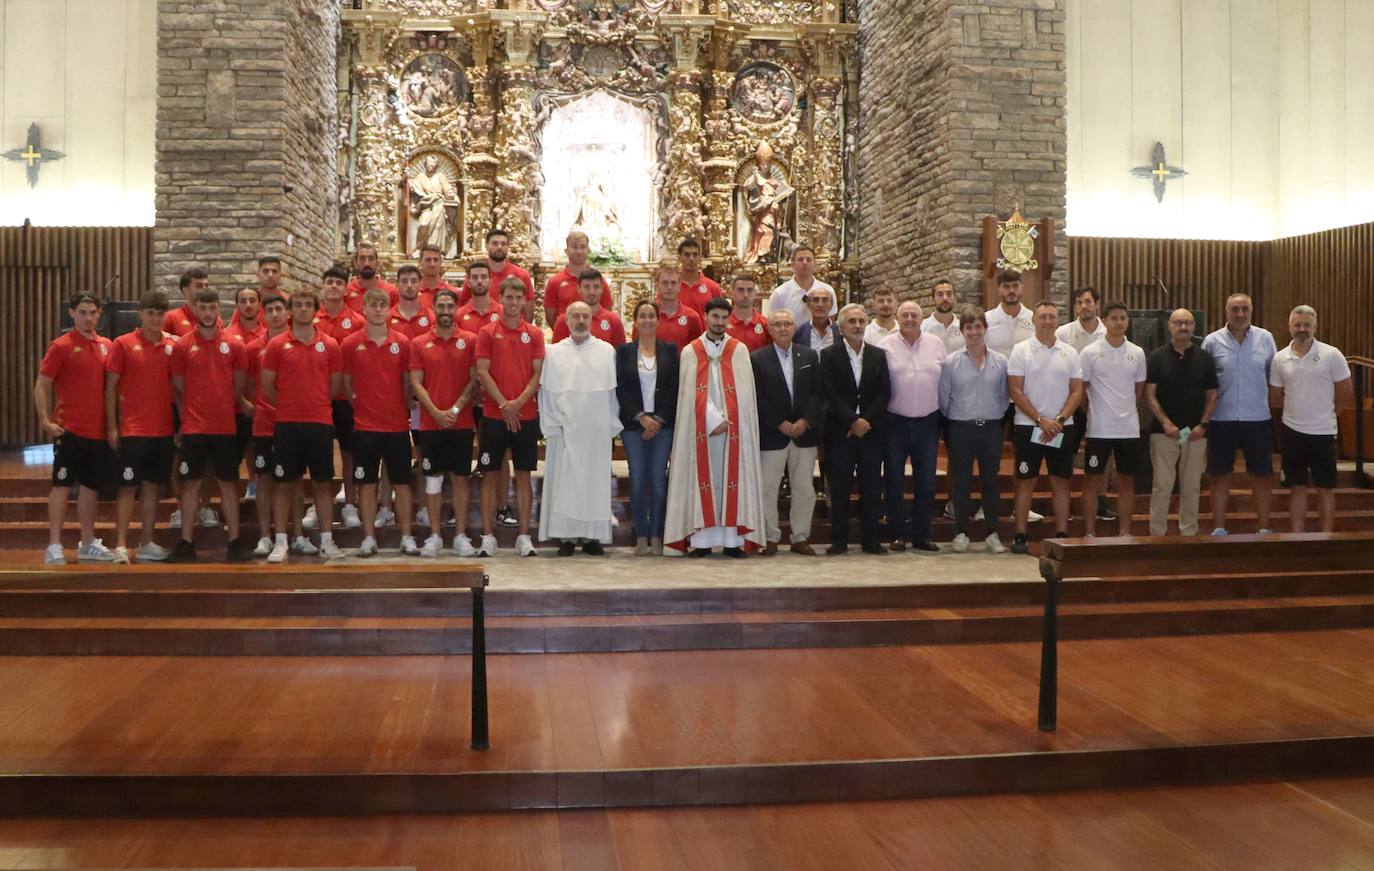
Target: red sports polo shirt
(471, 320)
(236, 328)
(341, 326)
(378, 373)
(422, 323)
(302, 372)
(561, 292)
(76, 366)
(426, 297)
(606, 326)
(753, 332)
(694, 296)
(145, 384)
(353, 297)
(208, 365)
(679, 328)
(447, 364)
(512, 353)
(264, 412)
(510, 269)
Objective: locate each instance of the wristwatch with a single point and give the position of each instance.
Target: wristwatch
(1059, 419)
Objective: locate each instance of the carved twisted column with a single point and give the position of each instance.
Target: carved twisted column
(826, 191)
(684, 158)
(517, 180)
(480, 163)
(372, 201)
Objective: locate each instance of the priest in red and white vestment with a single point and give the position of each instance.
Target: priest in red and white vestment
(715, 484)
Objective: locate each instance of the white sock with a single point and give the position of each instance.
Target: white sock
(326, 538)
(281, 538)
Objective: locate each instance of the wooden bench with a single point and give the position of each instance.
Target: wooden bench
(1069, 559)
(294, 577)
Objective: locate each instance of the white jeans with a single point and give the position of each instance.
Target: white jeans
(800, 465)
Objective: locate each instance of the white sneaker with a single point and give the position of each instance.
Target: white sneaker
(330, 550)
(94, 551)
(264, 547)
(1034, 517)
(949, 509)
(175, 521)
(978, 515)
(310, 521)
(487, 547)
(121, 556)
(304, 547)
(409, 547)
(433, 545)
(422, 517)
(1264, 531)
(524, 547)
(1219, 532)
(462, 545)
(368, 547)
(54, 556)
(385, 517)
(278, 553)
(960, 543)
(351, 520)
(207, 518)
(995, 544)
(155, 553)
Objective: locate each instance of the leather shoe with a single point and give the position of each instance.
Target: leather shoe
(927, 546)
(734, 552)
(803, 548)
(699, 552)
(567, 548)
(593, 548)
(897, 546)
(770, 549)
(837, 550)
(874, 548)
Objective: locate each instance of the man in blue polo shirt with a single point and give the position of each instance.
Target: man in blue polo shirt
(1243, 353)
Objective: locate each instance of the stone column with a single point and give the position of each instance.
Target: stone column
(980, 127)
(479, 192)
(245, 138)
(686, 35)
(373, 202)
(720, 165)
(517, 178)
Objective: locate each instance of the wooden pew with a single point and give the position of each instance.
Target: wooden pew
(295, 577)
(1070, 559)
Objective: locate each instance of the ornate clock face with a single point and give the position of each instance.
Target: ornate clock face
(1017, 246)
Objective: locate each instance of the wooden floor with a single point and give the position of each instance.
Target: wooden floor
(640, 710)
(1323, 824)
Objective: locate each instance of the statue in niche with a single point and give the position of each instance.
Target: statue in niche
(766, 192)
(433, 85)
(433, 205)
(596, 213)
(762, 92)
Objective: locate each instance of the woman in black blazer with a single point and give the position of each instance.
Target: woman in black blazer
(646, 386)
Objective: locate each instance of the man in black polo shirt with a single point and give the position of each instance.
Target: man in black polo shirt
(1181, 389)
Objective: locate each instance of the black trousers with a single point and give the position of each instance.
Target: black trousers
(968, 441)
(845, 456)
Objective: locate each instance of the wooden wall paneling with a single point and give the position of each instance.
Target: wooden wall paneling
(1332, 271)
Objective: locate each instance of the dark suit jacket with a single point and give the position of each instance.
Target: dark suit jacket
(842, 396)
(807, 401)
(803, 335)
(627, 384)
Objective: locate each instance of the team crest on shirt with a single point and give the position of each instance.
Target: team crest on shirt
(525, 337)
(167, 349)
(424, 321)
(701, 288)
(61, 473)
(1130, 358)
(682, 320)
(347, 324)
(462, 344)
(128, 473)
(104, 350)
(395, 348)
(185, 468)
(319, 346)
(605, 324)
(758, 328)
(224, 347)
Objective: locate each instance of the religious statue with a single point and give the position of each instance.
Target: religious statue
(433, 84)
(765, 192)
(762, 92)
(433, 192)
(596, 212)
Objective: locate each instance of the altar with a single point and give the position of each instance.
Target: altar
(638, 122)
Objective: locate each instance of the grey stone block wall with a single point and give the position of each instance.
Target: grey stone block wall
(962, 111)
(245, 139)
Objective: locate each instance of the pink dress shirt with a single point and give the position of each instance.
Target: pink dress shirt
(915, 371)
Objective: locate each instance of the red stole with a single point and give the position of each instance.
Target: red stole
(704, 490)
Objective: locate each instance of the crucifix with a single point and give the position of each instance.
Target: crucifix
(1159, 171)
(33, 155)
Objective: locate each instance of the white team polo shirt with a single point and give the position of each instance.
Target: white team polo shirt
(1111, 375)
(1079, 338)
(950, 335)
(1047, 370)
(1309, 387)
(1006, 332)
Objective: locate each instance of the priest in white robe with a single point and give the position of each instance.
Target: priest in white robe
(579, 416)
(715, 480)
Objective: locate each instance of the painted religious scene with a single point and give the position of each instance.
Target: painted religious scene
(639, 123)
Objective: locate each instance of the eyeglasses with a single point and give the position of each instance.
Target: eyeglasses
(1181, 323)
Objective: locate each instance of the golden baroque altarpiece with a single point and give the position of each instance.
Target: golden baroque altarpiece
(739, 132)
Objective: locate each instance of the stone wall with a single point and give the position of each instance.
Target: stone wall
(961, 114)
(245, 153)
